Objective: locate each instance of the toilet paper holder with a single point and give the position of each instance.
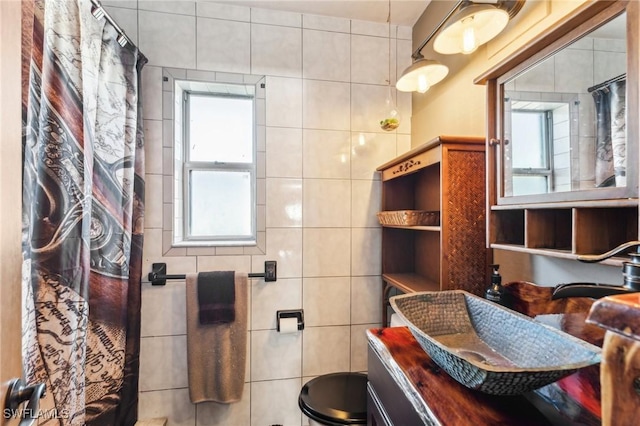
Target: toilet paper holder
(290, 313)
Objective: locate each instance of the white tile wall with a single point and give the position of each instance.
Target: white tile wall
(326, 301)
(326, 154)
(224, 46)
(167, 39)
(317, 359)
(370, 59)
(325, 252)
(285, 207)
(284, 102)
(326, 203)
(275, 402)
(321, 142)
(276, 50)
(212, 413)
(275, 355)
(223, 11)
(320, 45)
(326, 105)
(359, 346)
(284, 152)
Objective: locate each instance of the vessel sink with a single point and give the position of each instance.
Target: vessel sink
(488, 347)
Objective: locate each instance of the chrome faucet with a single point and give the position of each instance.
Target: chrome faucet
(630, 274)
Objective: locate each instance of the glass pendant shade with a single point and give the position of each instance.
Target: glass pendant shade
(391, 119)
(472, 26)
(421, 75)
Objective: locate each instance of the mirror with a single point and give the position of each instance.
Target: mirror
(564, 119)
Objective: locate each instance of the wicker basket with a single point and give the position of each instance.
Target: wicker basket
(409, 218)
(490, 348)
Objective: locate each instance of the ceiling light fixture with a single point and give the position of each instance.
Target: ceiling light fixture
(474, 24)
(421, 75)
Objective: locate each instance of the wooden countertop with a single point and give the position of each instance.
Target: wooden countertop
(440, 398)
(574, 400)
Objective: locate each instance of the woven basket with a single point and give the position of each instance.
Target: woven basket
(409, 218)
(490, 348)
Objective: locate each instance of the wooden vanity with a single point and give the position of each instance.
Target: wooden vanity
(407, 388)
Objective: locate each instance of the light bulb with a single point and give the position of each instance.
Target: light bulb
(469, 43)
(423, 84)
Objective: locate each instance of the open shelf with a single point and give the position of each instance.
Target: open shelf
(563, 231)
(411, 282)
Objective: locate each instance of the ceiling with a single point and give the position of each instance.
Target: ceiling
(403, 12)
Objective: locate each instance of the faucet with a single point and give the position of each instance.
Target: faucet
(630, 274)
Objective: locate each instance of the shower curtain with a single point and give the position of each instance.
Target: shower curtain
(83, 206)
(610, 134)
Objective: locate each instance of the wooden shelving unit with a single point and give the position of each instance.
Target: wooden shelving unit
(447, 175)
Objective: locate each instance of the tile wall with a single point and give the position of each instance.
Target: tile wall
(326, 85)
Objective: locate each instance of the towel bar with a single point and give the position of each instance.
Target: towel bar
(158, 274)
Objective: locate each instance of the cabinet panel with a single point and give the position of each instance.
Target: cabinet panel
(391, 397)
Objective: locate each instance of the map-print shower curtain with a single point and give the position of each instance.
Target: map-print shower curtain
(611, 139)
(83, 205)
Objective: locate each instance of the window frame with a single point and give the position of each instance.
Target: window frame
(189, 166)
(546, 145)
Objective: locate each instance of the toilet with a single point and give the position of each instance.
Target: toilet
(335, 399)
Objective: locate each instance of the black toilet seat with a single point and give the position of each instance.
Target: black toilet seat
(336, 399)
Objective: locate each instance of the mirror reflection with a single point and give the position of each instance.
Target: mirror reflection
(564, 118)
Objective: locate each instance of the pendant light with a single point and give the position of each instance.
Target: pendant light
(391, 119)
(473, 25)
(421, 75)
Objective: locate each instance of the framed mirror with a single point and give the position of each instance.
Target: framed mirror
(566, 114)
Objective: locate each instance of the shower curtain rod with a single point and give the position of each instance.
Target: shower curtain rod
(606, 83)
(98, 12)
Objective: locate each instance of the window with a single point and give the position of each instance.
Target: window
(217, 162)
(531, 160)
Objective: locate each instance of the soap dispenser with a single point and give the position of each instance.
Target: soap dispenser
(495, 292)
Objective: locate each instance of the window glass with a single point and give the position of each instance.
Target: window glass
(221, 204)
(220, 128)
(530, 131)
(526, 185)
